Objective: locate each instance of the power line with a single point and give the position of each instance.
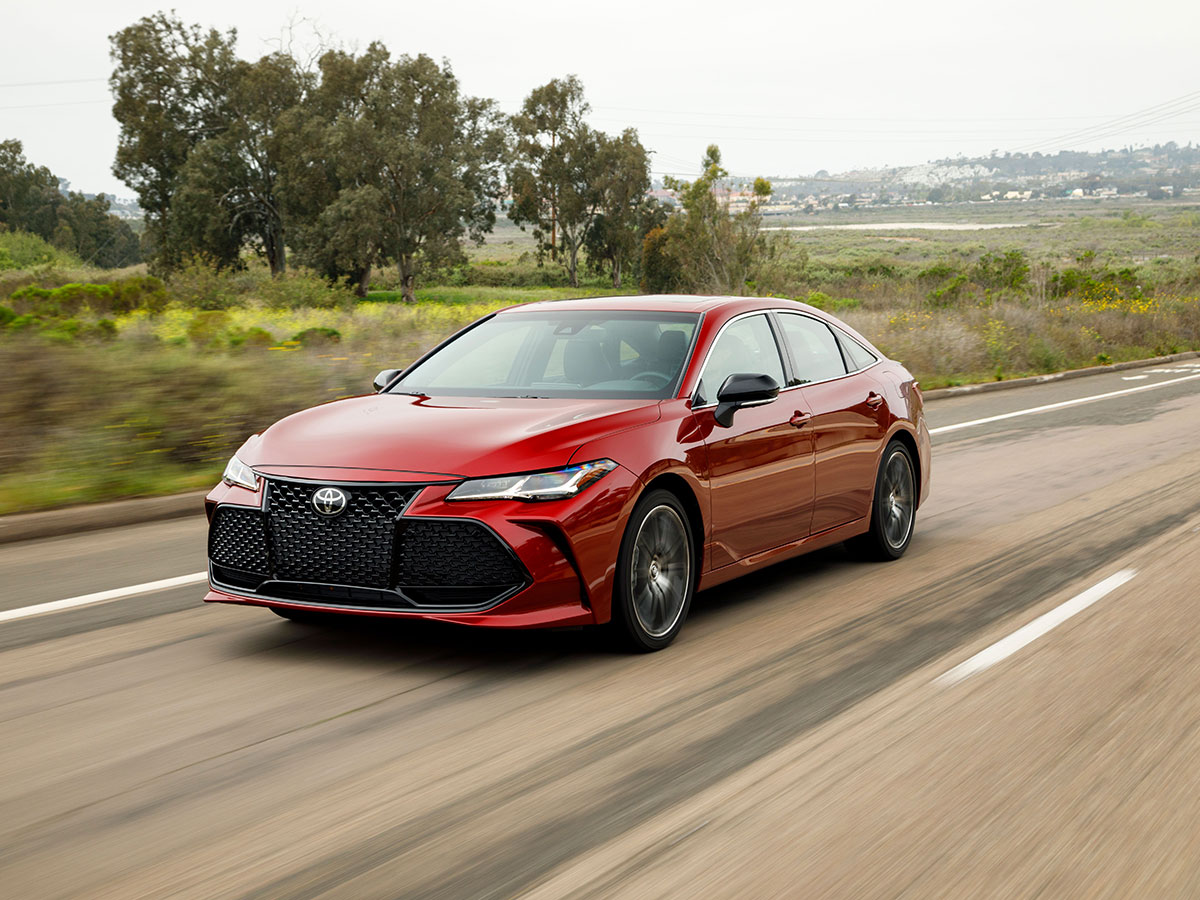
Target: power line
(1147, 116)
(44, 105)
(20, 84)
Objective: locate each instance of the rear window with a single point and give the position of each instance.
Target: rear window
(814, 349)
(858, 356)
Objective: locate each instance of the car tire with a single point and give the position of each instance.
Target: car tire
(656, 574)
(893, 509)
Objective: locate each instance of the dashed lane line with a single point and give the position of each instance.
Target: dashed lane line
(148, 587)
(943, 429)
(1027, 634)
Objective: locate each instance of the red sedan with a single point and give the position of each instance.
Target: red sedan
(579, 462)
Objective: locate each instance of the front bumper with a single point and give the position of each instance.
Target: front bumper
(565, 549)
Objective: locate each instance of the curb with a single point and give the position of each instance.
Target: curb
(77, 519)
(988, 386)
(94, 516)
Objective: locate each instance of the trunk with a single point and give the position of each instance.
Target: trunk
(572, 274)
(408, 279)
(617, 272)
(275, 253)
(364, 281)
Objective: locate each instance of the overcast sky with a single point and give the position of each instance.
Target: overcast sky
(783, 88)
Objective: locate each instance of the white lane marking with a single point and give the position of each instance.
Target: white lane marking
(1029, 633)
(1133, 377)
(102, 596)
(1063, 404)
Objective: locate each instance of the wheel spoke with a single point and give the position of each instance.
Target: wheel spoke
(660, 564)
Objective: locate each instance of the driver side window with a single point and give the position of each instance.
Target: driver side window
(748, 345)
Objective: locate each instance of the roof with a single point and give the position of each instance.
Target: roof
(659, 303)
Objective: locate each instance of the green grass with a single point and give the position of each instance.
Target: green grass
(156, 401)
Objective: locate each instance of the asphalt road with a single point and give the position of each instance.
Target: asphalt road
(801, 739)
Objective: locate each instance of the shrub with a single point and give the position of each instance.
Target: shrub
(253, 337)
(303, 289)
(207, 328)
(1001, 271)
(949, 293)
(316, 337)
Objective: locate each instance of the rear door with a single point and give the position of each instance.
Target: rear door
(760, 469)
(849, 416)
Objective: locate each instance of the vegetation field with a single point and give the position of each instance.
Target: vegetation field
(114, 383)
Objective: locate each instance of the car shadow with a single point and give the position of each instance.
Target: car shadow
(367, 642)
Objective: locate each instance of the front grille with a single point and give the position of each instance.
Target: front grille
(369, 556)
(352, 548)
(236, 540)
(433, 554)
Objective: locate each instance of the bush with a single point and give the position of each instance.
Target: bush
(316, 337)
(253, 337)
(303, 289)
(1001, 271)
(21, 250)
(73, 299)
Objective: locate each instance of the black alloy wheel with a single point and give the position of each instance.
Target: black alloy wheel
(656, 573)
(894, 510)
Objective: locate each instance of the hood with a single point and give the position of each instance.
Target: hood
(448, 436)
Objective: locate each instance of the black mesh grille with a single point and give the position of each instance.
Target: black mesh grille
(237, 540)
(352, 548)
(460, 554)
(368, 556)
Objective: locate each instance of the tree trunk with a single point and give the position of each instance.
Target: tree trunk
(616, 272)
(364, 281)
(275, 252)
(572, 268)
(408, 279)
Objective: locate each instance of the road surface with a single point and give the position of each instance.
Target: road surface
(1009, 710)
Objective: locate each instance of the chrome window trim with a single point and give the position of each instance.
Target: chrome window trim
(778, 349)
(792, 387)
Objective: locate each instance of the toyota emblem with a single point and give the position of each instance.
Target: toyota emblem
(329, 501)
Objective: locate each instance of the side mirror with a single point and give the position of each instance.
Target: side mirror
(384, 378)
(743, 389)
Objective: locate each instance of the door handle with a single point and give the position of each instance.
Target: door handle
(874, 400)
(799, 419)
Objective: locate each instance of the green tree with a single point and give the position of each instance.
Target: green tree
(716, 251)
(553, 178)
(170, 86)
(232, 179)
(28, 193)
(622, 178)
(418, 168)
(30, 200)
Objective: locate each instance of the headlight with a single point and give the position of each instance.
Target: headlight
(555, 485)
(237, 472)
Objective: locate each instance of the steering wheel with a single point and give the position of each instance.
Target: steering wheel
(649, 374)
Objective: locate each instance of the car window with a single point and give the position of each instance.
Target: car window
(814, 349)
(857, 355)
(748, 345)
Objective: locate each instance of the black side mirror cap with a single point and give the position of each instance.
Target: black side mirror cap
(743, 389)
(384, 378)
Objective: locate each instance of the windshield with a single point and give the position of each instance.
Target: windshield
(573, 354)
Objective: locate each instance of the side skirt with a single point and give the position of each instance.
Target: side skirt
(786, 551)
